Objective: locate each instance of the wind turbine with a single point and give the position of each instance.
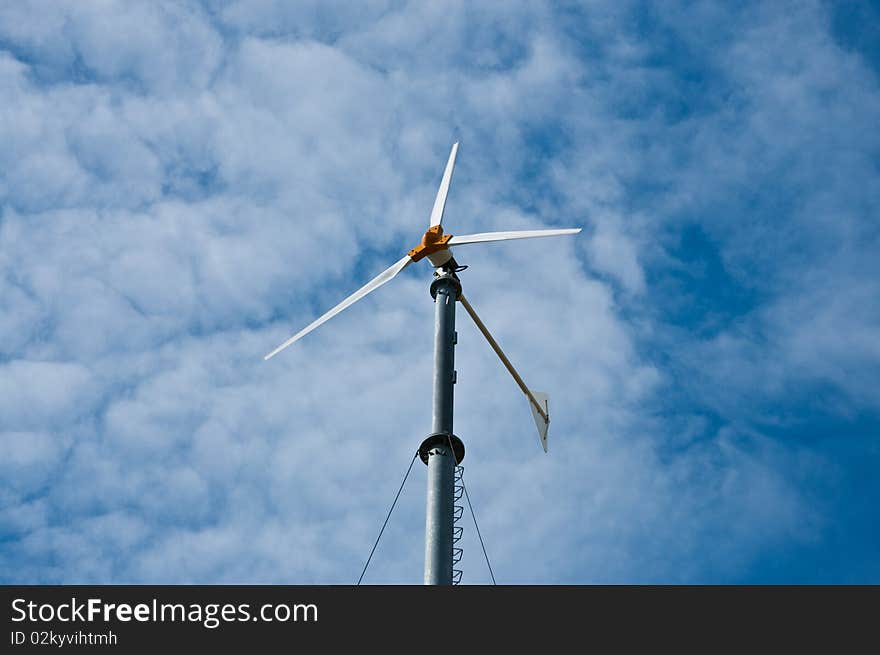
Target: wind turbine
(442, 451)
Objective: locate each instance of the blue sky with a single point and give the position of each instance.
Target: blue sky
(184, 185)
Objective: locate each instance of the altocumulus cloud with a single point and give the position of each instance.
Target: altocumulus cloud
(183, 185)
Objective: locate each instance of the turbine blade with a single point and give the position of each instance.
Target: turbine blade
(482, 237)
(385, 276)
(537, 399)
(440, 200)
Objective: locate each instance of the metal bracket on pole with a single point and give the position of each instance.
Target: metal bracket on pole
(441, 439)
(447, 275)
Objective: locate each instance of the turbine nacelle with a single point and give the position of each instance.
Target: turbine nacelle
(433, 246)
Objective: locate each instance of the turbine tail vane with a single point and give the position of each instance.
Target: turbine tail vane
(537, 399)
(542, 419)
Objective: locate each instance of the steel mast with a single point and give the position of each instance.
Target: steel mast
(441, 451)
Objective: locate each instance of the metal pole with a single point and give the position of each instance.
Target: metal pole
(436, 451)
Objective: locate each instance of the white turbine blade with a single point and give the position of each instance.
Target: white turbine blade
(440, 200)
(537, 399)
(372, 285)
(483, 237)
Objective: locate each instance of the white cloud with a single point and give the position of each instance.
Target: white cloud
(183, 187)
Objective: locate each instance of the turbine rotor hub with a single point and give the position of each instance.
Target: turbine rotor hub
(433, 243)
